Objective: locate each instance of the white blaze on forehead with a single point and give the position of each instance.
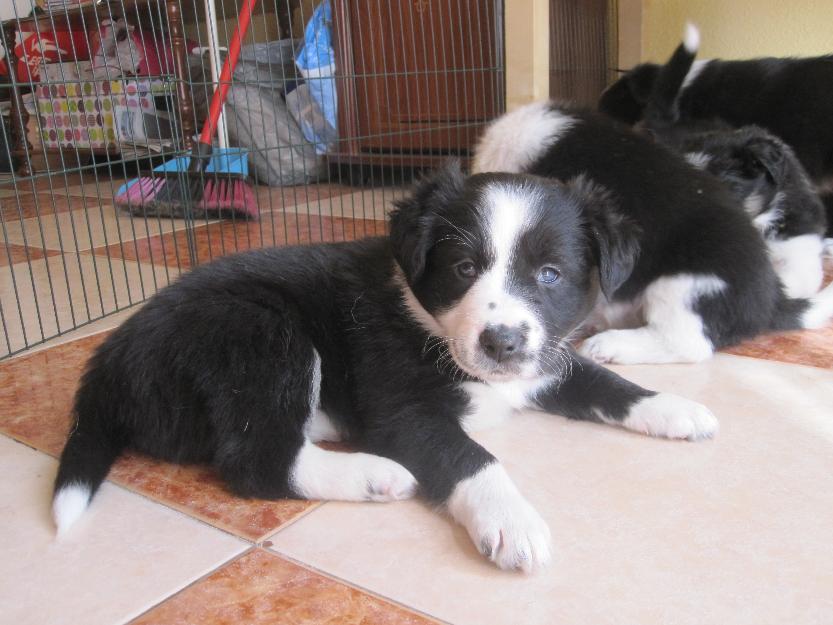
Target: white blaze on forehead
(506, 217)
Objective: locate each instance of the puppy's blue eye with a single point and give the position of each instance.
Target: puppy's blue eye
(548, 275)
(466, 269)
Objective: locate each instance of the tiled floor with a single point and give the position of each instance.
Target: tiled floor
(732, 531)
(58, 238)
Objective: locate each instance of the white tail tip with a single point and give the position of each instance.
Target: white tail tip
(691, 38)
(69, 504)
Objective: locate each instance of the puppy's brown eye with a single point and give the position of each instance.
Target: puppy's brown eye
(466, 269)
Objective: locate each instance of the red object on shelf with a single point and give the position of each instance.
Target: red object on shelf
(33, 49)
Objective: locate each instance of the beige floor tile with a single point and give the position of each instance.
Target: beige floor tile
(365, 204)
(77, 281)
(125, 555)
(734, 530)
(95, 226)
(109, 322)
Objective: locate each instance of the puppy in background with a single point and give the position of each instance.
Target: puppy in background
(760, 170)
(789, 97)
(698, 278)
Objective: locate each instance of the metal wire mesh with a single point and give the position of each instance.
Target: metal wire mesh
(409, 83)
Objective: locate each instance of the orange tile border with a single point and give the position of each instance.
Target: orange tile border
(228, 237)
(35, 404)
(260, 587)
(12, 254)
(43, 204)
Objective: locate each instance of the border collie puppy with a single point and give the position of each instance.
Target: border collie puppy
(399, 345)
(759, 169)
(696, 276)
(790, 97)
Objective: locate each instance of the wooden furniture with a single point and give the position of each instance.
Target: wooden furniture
(160, 16)
(416, 79)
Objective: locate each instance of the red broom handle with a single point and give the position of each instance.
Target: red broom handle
(228, 69)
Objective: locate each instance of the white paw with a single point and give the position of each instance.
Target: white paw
(502, 524)
(607, 346)
(645, 346)
(671, 416)
(388, 480)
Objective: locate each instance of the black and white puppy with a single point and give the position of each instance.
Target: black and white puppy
(790, 97)
(697, 276)
(399, 345)
(760, 170)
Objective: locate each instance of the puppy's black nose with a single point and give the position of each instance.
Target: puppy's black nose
(502, 342)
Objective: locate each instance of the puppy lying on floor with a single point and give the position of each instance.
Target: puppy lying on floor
(694, 273)
(400, 345)
(789, 97)
(760, 170)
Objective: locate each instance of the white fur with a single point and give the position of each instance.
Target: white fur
(694, 72)
(691, 38)
(821, 309)
(698, 159)
(322, 474)
(753, 204)
(515, 140)
(69, 504)
(492, 403)
(670, 416)
(502, 524)
(488, 301)
(319, 427)
(798, 263)
(674, 332)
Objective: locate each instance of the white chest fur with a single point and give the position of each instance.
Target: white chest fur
(494, 402)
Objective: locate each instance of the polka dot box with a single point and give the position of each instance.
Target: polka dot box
(81, 114)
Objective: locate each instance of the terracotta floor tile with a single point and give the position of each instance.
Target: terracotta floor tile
(11, 253)
(260, 587)
(28, 205)
(45, 183)
(228, 237)
(198, 491)
(35, 404)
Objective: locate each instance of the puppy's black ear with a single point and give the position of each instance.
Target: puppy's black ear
(412, 221)
(767, 156)
(614, 239)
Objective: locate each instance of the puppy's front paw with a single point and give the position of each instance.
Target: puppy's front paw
(502, 524)
(606, 346)
(671, 416)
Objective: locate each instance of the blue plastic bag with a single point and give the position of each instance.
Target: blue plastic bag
(316, 62)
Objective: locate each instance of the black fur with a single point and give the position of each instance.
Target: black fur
(219, 367)
(761, 170)
(790, 97)
(686, 222)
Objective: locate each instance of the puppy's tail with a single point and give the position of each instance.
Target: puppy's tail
(800, 313)
(91, 449)
(662, 108)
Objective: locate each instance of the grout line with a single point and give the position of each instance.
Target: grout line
(275, 531)
(356, 586)
(192, 583)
